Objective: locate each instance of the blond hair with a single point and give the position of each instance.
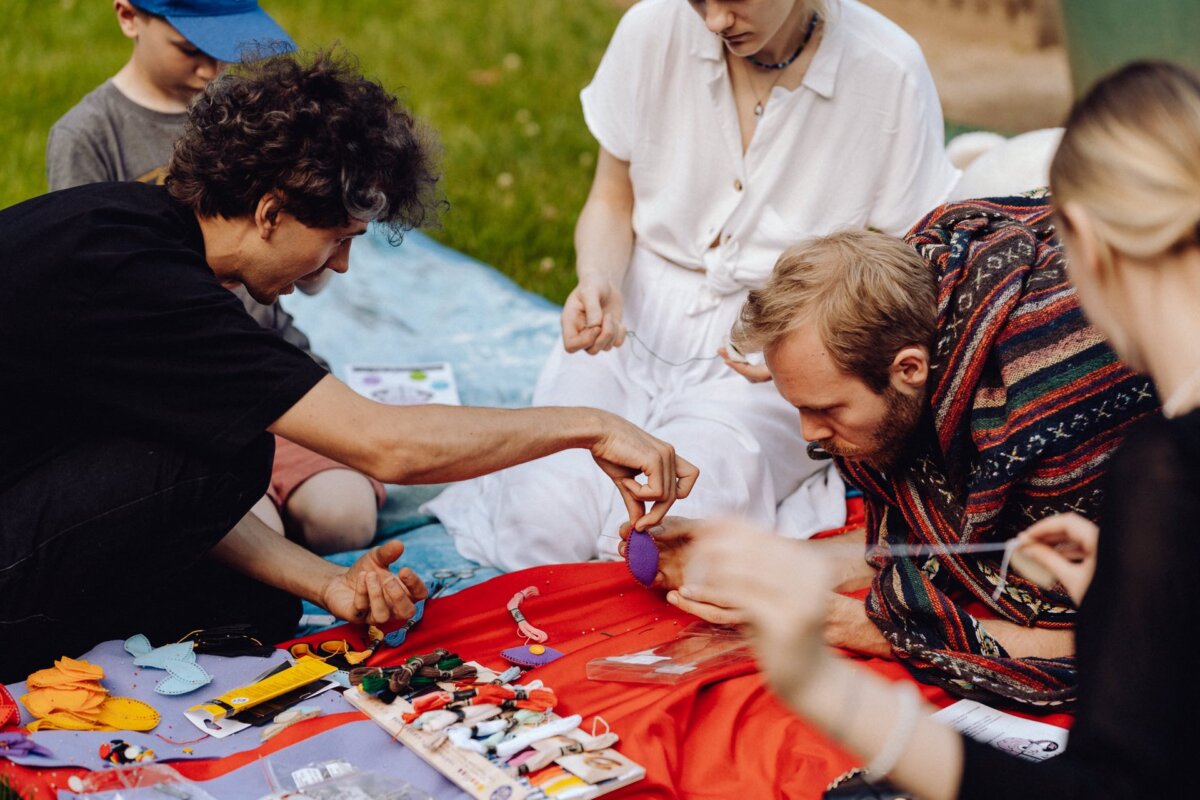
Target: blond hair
(868, 293)
(1131, 158)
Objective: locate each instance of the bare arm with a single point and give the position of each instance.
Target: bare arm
(366, 591)
(862, 710)
(592, 314)
(433, 444)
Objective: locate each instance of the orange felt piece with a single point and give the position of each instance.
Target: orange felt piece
(49, 678)
(66, 721)
(64, 672)
(46, 701)
(76, 700)
(80, 668)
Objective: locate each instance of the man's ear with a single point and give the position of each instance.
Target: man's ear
(127, 18)
(266, 215)
(910, 369)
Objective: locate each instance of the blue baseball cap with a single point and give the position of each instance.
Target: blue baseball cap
(224, 29)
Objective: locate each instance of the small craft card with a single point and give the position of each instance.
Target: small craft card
(598, 766)
(1024, 738)
(405, 384)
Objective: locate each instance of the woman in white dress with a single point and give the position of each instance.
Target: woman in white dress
(729, 130)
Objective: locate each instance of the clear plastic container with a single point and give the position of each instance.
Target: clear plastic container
(700, 649)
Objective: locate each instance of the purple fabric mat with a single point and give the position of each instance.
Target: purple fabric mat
(364, 744)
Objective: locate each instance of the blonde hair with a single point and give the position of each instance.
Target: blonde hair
(1131, 158)
(868, 293)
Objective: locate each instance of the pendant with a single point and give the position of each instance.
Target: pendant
(758, 110)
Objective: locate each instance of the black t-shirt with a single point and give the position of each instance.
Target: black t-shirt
(1139, 698)
(112, 323)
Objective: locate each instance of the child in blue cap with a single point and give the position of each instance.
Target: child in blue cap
(125, 130)
(126, 127)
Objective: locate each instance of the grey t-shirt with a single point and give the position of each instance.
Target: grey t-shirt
(108, 137)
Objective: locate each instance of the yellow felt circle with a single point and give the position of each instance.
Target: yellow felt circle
(536, 649)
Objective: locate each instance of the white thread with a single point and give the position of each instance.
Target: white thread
(1009, 547)
(519, 742)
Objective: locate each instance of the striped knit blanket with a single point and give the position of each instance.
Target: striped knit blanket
(1027, 403)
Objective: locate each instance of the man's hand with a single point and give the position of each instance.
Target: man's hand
(591, 317)
(849, 627)
(1065, 546)
(780, 587)
(672, 538)
(369, 592)
(624, 451)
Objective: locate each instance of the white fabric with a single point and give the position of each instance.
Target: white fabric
(858, 144)
(1008, 166)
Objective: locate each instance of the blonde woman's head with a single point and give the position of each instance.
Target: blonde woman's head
(1130, 159)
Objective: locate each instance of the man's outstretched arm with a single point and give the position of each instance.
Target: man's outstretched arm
(434, 444)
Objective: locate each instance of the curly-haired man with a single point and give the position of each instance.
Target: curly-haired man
(138, 397)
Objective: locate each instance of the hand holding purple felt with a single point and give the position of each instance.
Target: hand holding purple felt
(671, 539)
(370, 592)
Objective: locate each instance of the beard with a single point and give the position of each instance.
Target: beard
(890, 441)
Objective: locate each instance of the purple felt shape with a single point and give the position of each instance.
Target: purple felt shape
(523, 658)
(18, 744)
(641, 556)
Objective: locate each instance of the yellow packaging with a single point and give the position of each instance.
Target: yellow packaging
(302, 673)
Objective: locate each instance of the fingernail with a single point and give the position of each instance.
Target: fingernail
(673, 598)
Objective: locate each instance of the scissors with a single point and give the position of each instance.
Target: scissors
(443, 579)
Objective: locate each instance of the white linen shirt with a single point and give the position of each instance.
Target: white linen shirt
(860, 143)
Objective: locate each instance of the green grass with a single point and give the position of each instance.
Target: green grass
(497, 79)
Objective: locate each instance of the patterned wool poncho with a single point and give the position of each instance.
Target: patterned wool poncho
(1026, 405)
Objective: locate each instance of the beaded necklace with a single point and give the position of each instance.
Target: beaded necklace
(761, 102)
(812, 26)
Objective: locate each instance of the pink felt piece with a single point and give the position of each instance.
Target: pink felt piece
(641, 556)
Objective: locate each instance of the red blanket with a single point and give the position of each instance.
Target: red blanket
(717, 738)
